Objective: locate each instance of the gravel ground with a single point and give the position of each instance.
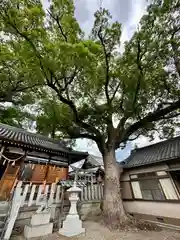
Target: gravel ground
(95, 231)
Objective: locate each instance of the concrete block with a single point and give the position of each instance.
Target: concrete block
(38, 231)
(40, 219)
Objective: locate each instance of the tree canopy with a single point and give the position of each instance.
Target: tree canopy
(85, 86)
(92, 81)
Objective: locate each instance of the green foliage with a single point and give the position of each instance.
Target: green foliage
(54, 120)
(82, 85)
(15, 116)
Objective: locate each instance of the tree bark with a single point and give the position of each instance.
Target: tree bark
(113, 208)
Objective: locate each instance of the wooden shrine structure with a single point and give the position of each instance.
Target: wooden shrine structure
(32, 158)
(90, 170)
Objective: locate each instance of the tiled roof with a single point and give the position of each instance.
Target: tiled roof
(36, 141)
(159, 152)
(19, 135)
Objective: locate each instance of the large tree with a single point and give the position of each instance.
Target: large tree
(105, 96)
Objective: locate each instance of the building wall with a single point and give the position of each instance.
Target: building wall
(164, 211)
(48, 173)
(57, 173)
(168, 209)
(168, 213)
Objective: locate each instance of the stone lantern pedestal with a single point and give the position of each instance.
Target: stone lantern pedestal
(72, 226)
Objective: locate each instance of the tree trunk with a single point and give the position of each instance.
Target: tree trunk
(113, 209)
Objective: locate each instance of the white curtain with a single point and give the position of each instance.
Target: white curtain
(168, 188)
(136, 189)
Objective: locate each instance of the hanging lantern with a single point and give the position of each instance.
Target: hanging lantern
(4, 162)
(13, 163)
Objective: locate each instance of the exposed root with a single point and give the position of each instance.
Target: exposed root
(129, 223)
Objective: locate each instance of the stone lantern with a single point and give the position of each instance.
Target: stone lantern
(72, 226)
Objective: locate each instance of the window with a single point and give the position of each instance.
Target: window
(151, 190)
(161, 173)
(134, 176)
(154, 189)
(168, 189)
(136, 189)
(148, 174)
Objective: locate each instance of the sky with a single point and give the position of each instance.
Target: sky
(128, 13)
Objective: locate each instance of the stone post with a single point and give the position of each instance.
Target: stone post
(16, 203)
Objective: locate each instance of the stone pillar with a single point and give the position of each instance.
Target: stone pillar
(40, 224)
(72, 226)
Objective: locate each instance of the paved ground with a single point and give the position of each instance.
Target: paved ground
(95, 231)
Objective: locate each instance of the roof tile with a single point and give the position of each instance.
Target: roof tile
(22, 136)
(162, 151)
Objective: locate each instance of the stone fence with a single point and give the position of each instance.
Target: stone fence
(31, 193)
(27, 198)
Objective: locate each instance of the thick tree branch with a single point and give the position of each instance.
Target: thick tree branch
(134, 138)
(98, 139)
(175, 50)
(122, 97)
(171, 116)
(151, 117)
(7, 96)
(140, 70)
(83, 135)
(70, 103)
(69, 80)
(120, 127)
(114, 94)
(106, 55)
